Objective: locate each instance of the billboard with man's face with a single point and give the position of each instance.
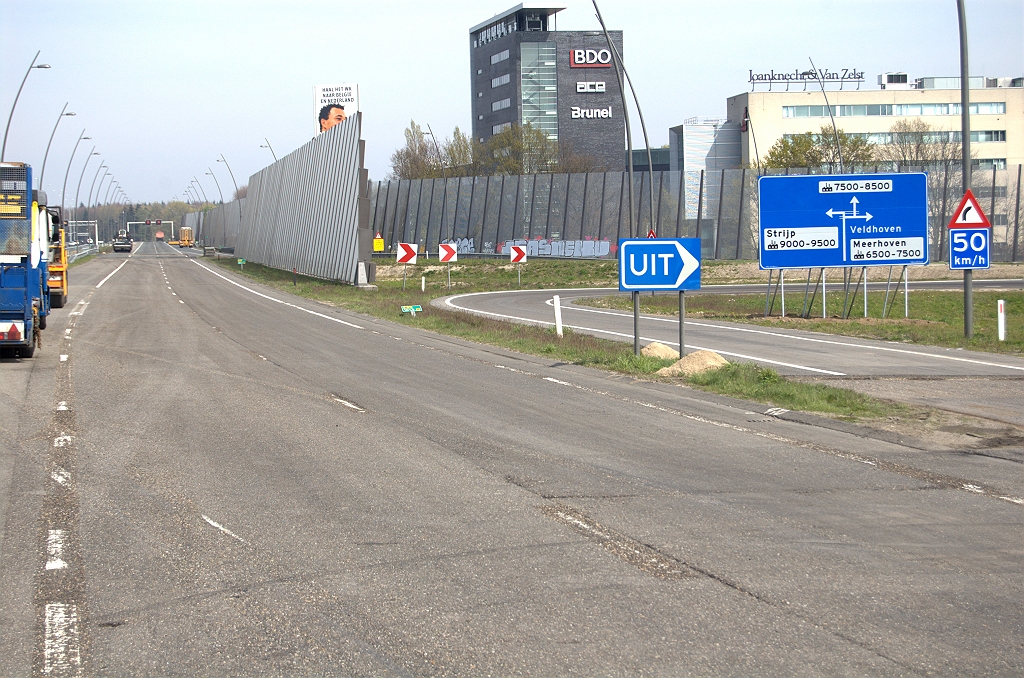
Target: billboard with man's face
(334, 103)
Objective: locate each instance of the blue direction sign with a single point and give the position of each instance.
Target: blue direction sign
(649, 264)
(968, 248)
(814, 221)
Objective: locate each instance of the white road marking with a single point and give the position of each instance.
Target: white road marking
(622, 334)
(62, 441)
(223, 529)
(61, 655)
(67, 332)
(55, 550)
(112, 273)
(348, 404)
(276, 301)
(793, 337)
(63, 358)
(180, 301)
(61, 477)
(776, 411)
(62, 406)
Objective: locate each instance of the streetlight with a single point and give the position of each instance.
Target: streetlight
(217, 183)
(66, 172)
(74, 209)
(268, 146)
(62, 115)
(99, 189)
(94, 178)
(196, 180)
(232, 175)
(7, 129)
(444, 176)
(110, 186)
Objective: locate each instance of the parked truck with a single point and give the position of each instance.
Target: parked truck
(24, 254)
(185, 238)
(57, 279)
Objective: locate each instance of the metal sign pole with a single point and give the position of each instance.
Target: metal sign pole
(965, 156)
(682, 318)
(636, 323)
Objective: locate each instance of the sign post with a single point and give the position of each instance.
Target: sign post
(406, 254)
(666, 264)
(843, 221)
(517, 255)
(448, 252)
(970, 241)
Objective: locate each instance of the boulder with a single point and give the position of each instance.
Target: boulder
(694, 363)
(659, 350)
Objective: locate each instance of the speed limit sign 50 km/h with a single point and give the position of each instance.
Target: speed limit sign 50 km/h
(969, 248)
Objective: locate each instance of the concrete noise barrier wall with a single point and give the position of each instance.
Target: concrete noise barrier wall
(305, 211)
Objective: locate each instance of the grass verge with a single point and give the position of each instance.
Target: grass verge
(936, 318)
(745, 381)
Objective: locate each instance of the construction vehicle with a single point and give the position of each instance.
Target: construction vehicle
(185, 238)
(123, 241)
(24, 255)
(57, 278)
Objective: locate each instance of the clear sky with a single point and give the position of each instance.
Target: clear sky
(163, 88)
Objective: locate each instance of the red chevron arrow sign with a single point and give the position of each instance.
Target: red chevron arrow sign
(448, 252)
(406, 253)
(517, 254)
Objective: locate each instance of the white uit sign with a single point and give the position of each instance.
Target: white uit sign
(334, 103)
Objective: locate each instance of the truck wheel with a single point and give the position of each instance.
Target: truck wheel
(56, 300)
(26, 351)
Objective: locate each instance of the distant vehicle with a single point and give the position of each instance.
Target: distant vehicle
(123, 241)
(58, 275)
(159, 236)
(185, 238)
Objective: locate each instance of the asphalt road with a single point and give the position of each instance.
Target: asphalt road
(219, 479)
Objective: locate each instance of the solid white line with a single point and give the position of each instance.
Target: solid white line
(621, 334)
(276, 301)
(795, 337)
(112, 273)
(61, 655)
(223, 529)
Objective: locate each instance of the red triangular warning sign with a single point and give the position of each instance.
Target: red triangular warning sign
(652, 234)
(969, 214)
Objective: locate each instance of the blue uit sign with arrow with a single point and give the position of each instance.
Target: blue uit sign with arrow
(815, 221)
(654, 264)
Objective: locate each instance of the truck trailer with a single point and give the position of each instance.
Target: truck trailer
(24, 255)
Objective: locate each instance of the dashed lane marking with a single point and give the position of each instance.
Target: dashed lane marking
(222, 528)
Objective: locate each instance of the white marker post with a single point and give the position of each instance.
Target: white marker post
(423, 283)
(558, 316)
(1001, 315)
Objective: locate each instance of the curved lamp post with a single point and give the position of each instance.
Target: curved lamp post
(99, 188)
(196, 180)
(68, 170)
(3, 149)
(232, 175)
(42, 172)
(74, 209)
(217, 183)
(268, 146)
(88, 201)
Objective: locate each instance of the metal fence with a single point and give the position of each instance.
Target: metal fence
(303, 212)
(584, 215)
(218, 227)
